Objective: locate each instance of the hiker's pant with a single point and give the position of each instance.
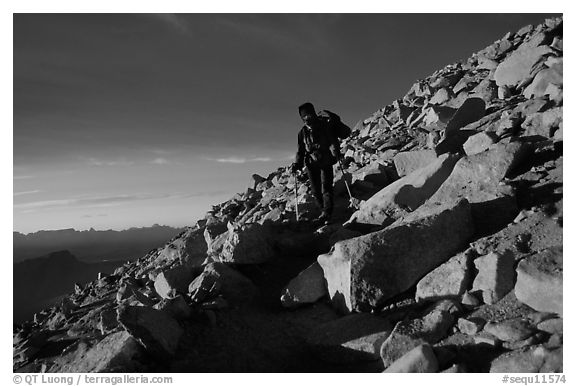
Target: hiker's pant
(321, 179)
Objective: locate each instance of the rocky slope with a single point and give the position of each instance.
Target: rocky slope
(39, 282)
(452, 263)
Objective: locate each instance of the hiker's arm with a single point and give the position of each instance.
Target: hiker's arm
(299, 162)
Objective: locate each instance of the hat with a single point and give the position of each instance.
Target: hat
(306, 107)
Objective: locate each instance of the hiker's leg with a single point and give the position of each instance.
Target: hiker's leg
(328, 189)
(315, 183)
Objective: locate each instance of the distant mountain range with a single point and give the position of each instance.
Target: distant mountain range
(39, 282)
(92, 245)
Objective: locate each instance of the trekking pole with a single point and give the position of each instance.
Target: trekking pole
(353, 201)
(296, 195)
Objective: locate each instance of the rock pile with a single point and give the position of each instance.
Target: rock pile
(453, 262)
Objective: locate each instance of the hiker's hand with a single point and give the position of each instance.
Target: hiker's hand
(334, 151)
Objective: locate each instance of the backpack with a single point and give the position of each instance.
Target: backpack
(337, 127)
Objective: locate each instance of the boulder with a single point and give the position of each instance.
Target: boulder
(552, 326)
(471, 326)
(247, 244)
(117, 352)
(408, 161)
(480, 142)
(308, 287)
(442, 96)
(511, 330)
(175, 280)
(539, 281)
(450, 279)
(549, 76)
(438, 115)
(363, 272)
(536, 359)
(495, 276)
(157, 331)
(486, 90)
(212, 234)
(220, 279)
(420, 359)
(176, 307)
(189, 248)
(543, 123)
(477, 178)
(374, 173)
(470, 111)
(430, 328)
(408, 192)
(350, 339)
(516, 68)
(456, 133)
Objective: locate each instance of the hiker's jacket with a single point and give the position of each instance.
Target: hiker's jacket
(317, 146)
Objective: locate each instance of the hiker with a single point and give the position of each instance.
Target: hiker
(319, 150)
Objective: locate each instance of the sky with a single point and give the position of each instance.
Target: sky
(123, 120)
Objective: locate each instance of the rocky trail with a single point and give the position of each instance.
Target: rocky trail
(453, 261)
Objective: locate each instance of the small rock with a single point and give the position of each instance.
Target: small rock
(470, 301)
(488, 339)
(433, 326)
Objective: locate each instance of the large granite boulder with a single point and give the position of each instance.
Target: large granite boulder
(172, 281)
(308, 287)
(478, 179)
(363, 272)
(408, 161)
(495, 276)
(157, 331)
(407, 193)
(456, 134)
(247, 244)
(539, 281)
(450, 279)
(189, 248)
(517, 67)
(220, 279)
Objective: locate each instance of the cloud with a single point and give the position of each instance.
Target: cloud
(243, 160)
(94, 215)
(160, 161)
(99, 162)
(108, 201)
(26, 192)
(175, 22)
(23, 177)
(97, 201)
